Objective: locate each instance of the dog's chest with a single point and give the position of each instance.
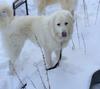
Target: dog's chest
(52, 44)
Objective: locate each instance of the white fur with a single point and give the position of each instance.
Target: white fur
(42, 30)
(6, 15)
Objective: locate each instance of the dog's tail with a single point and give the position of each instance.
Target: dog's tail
(6, 15)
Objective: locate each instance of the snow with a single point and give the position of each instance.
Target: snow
(77, 65)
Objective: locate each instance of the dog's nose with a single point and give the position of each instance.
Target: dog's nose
(64, 34)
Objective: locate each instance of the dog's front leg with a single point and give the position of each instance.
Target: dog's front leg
(58, 55)
(58, 59)
(48, 58)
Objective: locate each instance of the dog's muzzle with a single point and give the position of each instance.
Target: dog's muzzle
(64, 34)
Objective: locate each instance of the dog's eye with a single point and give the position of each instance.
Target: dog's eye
(66, 23)
(58, 24)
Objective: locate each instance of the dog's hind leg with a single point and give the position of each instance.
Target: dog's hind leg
(14, 54)
(48, 58)
(14, 50)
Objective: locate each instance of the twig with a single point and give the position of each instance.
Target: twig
(40, 76)
(84, 43)
(23, 85)
(44, 62)
(73, 45)
(48, 80)
(77, 32)
(85, 11)
(32, 83)
(97, 11)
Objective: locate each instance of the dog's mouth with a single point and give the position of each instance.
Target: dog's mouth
(62, 36)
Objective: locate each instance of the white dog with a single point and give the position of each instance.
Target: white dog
(47, 31)
(65, 4)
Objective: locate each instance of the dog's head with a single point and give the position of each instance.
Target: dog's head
(61, 24)
(6, 15)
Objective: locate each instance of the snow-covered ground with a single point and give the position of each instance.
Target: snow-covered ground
(76, 67)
